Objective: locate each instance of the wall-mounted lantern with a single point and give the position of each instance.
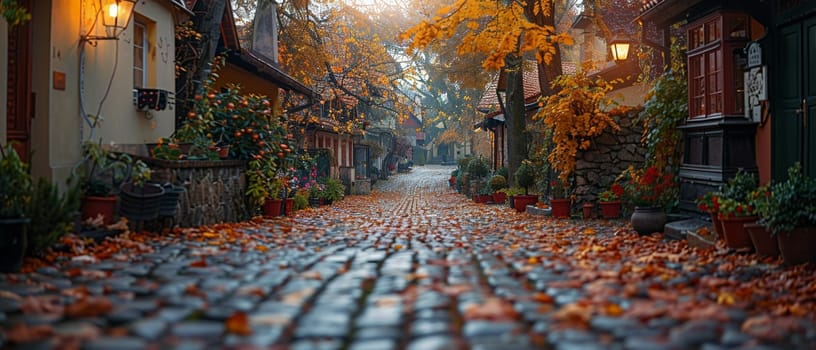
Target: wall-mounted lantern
(116, 16)
(620, 48)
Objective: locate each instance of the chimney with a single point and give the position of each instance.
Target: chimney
(265, 30)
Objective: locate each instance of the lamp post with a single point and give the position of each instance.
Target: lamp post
(620, 48)
(116, 16)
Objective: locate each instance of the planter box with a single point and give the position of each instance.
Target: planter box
(215, 190)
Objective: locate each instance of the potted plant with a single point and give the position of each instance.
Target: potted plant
(734, 210)
(15, 193)
(497, 183)
(710, 203)
(525, 177)
(649, 191)
(140, 200)
(315, 191)
(511, 193)
(791, 216)
(733, 215)
(610, 201)
(764, 243)
(333, 190)
(477, 170)
(560, 201)
(102, 172)
(264, 188)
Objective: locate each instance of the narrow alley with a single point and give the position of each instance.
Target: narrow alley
(412, 266)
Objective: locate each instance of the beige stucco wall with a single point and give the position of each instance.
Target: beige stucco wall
(3, 79)
(58, 128)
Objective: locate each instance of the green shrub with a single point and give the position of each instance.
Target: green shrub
(525, 176)
(15, 184)
(334, 190)
(791, 203)
(740, 186)
(52, 214)
(498, 182)
(463, 163)
(301, 200)
(478, 168)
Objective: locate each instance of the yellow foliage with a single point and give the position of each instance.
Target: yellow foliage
(573, 116)
(493, 30)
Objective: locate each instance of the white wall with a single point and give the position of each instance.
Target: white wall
(58, 128)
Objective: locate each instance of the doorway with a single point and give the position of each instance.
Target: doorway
(793, 130)
(19, 104)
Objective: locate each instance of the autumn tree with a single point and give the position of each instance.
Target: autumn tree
(343, 54)
(196, 44)
(504, 31)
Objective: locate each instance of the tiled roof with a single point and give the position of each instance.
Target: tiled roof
(532, 91)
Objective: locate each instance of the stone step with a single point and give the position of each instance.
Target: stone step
(678, 229)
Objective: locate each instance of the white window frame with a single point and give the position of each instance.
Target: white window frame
(137, 25)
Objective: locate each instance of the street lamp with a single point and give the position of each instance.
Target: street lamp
(620, 49)
(116, 16)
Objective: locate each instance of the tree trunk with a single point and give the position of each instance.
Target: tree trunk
(190, 81)
(546, 72)
(516, 121)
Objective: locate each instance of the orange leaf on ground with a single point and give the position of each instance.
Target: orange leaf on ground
(494, 309)
(42, 304)
(574, 313)
(22, 333)
(238, 323)
(89, 307)
(199, 263)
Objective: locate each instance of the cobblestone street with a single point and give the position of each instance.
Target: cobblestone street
(413, 266)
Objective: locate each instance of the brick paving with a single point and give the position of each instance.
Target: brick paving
(414, 266)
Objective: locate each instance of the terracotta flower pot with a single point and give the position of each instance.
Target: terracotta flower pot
(290, 206)
(223, 152)
(560, 208)
(734, 233)
(648, 220)
(587, 209)
(520, 202)
(93, 206)
(499, 197)
(272, 207)
(798, 246)
(764, 243)
(610, 210)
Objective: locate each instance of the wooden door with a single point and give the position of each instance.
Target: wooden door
(19, 106)
(793, 129)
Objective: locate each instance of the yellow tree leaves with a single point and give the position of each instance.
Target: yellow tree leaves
(493, 29)
(573, 116)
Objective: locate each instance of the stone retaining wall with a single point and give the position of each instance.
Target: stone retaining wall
(215, 189)
(610, 154)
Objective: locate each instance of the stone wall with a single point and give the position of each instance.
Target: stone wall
(610, 154)
(215, 190)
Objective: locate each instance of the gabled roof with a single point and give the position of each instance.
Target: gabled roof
(490, 100)
(248, 59)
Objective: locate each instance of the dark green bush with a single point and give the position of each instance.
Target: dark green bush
(52, 214)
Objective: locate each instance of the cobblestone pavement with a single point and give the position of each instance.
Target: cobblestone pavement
(414, 266)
